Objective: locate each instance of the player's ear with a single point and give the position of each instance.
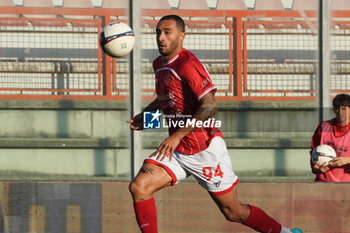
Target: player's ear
(182, 35)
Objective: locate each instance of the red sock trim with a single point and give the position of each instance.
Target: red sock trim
(146, 215)
(261, 222)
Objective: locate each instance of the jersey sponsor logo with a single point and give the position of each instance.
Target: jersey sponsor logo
(151, 120)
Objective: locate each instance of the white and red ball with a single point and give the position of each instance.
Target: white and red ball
(117, 39)
(322, 154)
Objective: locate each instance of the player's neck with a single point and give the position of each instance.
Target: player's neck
(341, 130)
(345, 123)
(172, 55)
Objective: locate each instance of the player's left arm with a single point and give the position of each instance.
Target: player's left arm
(206, 110)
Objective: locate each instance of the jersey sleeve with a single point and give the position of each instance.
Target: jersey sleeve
(316, 138)
(198, 78)
(156, 63)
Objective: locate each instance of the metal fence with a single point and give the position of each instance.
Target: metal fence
(251, 55)
(55, 57)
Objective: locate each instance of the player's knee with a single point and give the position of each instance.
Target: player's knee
(136, 189)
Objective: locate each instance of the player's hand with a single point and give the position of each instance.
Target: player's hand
(137, 122)
(320, 169)
(167, 147)
(339, 162)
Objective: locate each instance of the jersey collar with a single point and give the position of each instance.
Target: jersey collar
(171, 60)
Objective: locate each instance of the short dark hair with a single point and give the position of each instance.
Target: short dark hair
(341, 100)
(179, 21)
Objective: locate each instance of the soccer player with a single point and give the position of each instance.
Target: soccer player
(184, 88)
(335, 133)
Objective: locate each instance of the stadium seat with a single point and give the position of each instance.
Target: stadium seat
(155, 4)
(268, 5)
(38, 3)
(8, 3)
(309, 5)
(230, 5)
(41, 3)
(115, 4)
(302, 5)
(78, 4)
(193, 5)
(340, 5)
(274, 5)
(3, 22)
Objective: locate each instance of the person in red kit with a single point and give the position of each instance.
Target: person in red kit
(335, 133)
(185, 92)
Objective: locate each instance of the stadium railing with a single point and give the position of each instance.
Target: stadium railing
(251, 54)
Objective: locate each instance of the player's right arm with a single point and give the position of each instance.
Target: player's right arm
(136, 123)
(316, 169)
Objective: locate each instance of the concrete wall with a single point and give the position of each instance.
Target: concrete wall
(106, 207)
(52, 139)
(90, 139)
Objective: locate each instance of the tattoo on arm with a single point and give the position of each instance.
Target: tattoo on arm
(147, 170)
(206, 110)
(208, 107)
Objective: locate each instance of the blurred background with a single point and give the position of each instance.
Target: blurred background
(64, 103)
(66, 152)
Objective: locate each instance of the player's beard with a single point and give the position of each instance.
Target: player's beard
(169, 49)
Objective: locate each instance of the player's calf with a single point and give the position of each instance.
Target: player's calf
(239, 214)
(146, 215)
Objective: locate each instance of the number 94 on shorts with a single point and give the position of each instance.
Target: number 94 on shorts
(210, 167)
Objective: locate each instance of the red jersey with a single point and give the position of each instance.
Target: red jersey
(337, 136)
(181, 82)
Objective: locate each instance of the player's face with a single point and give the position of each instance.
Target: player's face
(169, 38)
(342, 114)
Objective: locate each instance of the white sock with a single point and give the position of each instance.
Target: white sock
(285, 230)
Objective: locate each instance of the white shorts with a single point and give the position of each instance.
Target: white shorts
(210, 167)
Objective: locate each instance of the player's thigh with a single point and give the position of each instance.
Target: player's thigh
(212, 167)
(150, 179)
(230, 206)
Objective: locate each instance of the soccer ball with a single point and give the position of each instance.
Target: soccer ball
(117, 39)
(323, 153)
